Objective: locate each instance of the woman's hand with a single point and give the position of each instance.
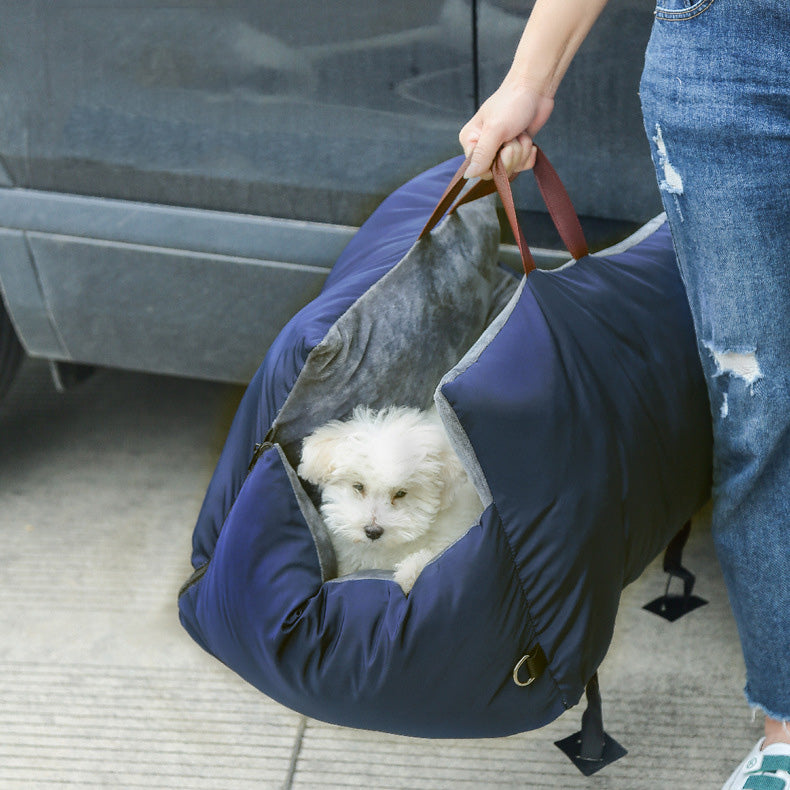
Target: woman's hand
(507, 120)
(513, 115)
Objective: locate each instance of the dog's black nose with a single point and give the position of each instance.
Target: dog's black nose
(374, 532)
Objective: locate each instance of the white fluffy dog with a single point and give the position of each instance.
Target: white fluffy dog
(393, 491)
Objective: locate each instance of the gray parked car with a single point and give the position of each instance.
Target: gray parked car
(177, 177)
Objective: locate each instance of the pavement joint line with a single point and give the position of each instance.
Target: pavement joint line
(297, 749)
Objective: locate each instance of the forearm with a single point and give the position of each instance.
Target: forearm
(553, 34)
(509, 119)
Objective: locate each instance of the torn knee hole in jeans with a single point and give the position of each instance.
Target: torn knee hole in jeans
(741, 365)
(672, 182)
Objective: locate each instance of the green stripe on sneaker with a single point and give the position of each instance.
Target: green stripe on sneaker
(776, 762)
(764, 783)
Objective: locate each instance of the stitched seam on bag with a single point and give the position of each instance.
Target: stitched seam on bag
(526, 603)
(487, 336)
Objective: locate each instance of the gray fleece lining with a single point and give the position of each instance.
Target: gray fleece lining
(639, 235)
(635, 238)
(456, 434)
(323, 544)
(394, 344)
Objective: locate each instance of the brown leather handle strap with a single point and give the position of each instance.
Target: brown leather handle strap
(502, 183)
(457, 183)
(561, 210)
(557, 201)
(554, 194)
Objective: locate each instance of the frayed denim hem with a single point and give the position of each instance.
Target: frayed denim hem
(758, 707)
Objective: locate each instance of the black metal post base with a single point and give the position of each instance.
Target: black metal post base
(591, 748)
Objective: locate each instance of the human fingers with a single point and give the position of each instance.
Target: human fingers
(483, 150)
(470, 134)
(513, 110)
(518, 154)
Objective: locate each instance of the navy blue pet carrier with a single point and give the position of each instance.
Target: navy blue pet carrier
(576, 401)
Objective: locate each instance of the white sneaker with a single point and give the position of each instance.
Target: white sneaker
(763, 769)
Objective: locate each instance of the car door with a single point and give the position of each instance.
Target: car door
(178, 177)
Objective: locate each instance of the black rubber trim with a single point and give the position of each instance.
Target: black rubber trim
(198, 574)
(11, 352)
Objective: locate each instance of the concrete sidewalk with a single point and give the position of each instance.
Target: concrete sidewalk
(100, 686)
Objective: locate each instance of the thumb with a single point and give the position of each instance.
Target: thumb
(483, 155)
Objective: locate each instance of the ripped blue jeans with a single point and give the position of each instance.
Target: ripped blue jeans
(716, 103)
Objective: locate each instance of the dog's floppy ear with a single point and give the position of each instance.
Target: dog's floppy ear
(319, 452)
(453, 473)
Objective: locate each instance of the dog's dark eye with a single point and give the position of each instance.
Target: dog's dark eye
(399, 494)
(359, 487)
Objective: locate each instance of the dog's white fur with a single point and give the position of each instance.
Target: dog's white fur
(394, 474)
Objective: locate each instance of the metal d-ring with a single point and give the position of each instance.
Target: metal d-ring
(521, 663)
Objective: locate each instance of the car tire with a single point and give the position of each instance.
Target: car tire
(11, 352)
